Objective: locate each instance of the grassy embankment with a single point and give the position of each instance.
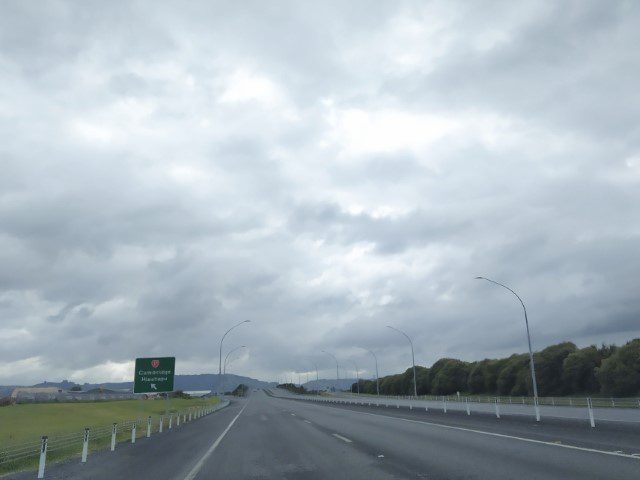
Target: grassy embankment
(25, 424)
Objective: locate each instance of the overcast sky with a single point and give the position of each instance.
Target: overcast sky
(324, 169)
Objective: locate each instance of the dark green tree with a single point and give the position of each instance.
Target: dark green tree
(579, 370)
(549, 364)
(620, 373)
(451, 377)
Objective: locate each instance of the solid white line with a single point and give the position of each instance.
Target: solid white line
(344, 439)
(198, 466)
(493, 434)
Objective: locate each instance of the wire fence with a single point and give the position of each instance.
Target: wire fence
(596, 401)
(28, 455)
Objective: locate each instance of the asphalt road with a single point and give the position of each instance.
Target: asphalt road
(268, 437)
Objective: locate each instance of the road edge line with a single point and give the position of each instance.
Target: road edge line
(198, 466)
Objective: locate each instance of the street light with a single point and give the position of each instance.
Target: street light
(317, 378)
(531, 364)
(357, 376)
(413, 360)
(337, 367)
(224, 370)
(377, 378)
(222, 340)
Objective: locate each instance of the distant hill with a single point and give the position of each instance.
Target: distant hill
(206, 381)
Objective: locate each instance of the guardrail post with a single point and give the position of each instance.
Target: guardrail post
(468, 407)
(133, 432)
(149, 426)
(43, 456)
(592, 421)
(161, 424)
(114, 431)
(497, 409)
(85, 445)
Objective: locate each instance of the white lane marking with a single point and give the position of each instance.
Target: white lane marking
(293, 414)
(493, 434)
(344, 439)
(198, 466)
(307, 421)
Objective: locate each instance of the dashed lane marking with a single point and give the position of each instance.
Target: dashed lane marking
(344, 439)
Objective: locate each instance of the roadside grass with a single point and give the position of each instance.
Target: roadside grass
(22, 426)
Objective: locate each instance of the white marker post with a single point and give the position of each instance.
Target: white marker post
(85, 445)
(592, 421)
(161, 424)
(178, 420)
(497, 409)
(468, 407)
(170, 421)
(43, 456)
(133, 432)
(444, 405)
(149, 426)
(114, 431)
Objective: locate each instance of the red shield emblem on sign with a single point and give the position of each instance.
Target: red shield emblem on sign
(155, 363)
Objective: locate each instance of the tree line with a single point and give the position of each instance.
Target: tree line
(561, 369)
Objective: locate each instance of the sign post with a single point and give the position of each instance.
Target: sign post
(154, 375)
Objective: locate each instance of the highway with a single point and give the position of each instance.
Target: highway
(265, 437)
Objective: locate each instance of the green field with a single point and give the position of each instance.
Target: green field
(64, 423)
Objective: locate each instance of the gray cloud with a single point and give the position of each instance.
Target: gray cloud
(169, 170)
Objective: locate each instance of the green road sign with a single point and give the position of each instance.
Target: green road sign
(154, 374)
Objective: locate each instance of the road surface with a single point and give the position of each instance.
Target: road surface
(266, 437)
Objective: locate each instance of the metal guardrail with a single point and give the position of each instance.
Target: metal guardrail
(94, 438)
(582, 411)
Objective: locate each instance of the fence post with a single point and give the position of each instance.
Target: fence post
(149, 426)
(114, 430)
(133, 432)
(468, 407)
(85, 445)
(43, 456)
(590, 408)
(161, 424)
(497, 409)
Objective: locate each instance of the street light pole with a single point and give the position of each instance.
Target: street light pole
(222, 340)
(337, 367)
(377, 378)
(357, 376)
(413, 360)
(224, 370)
(317, 378)
(531, 364)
